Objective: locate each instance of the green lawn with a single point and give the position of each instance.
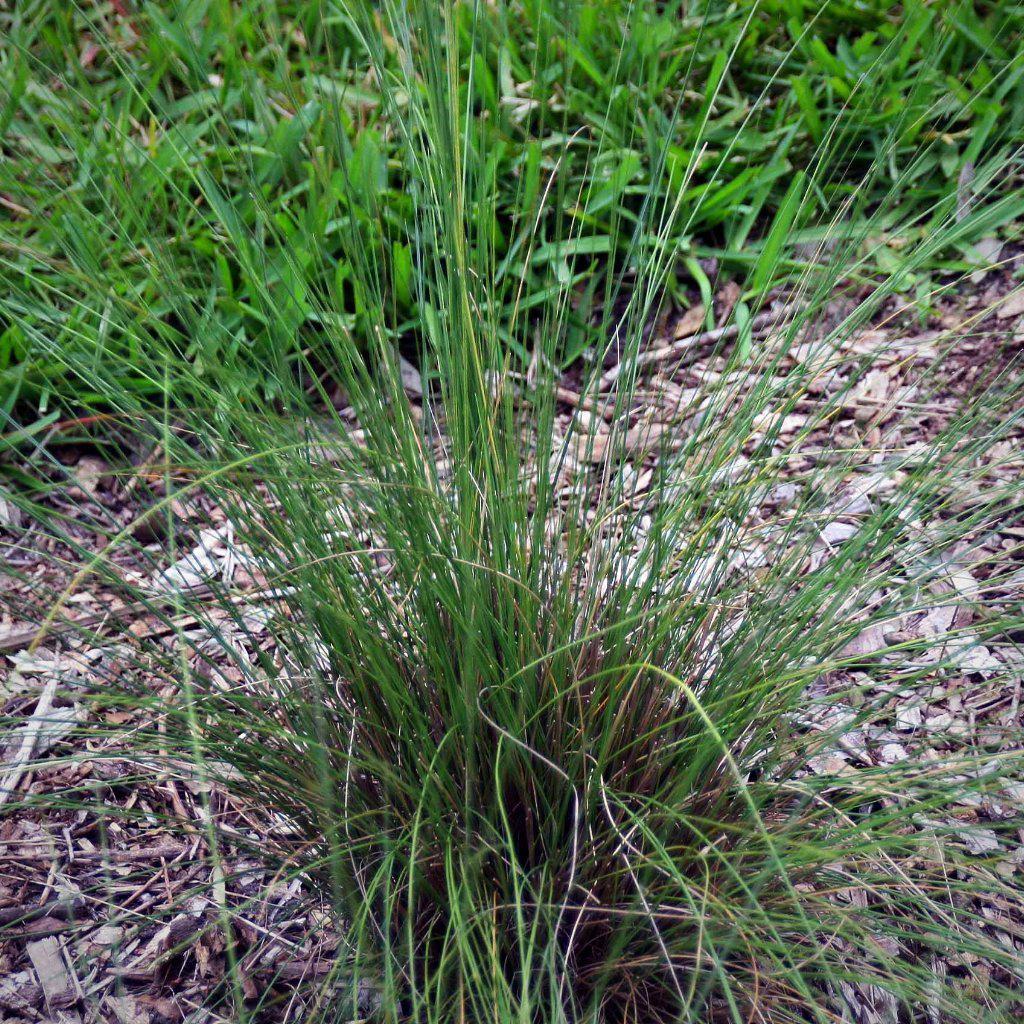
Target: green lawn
(180, 182)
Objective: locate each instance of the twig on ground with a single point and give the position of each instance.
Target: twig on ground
(762, 322)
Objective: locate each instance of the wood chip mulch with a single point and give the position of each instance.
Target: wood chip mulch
(130, 917)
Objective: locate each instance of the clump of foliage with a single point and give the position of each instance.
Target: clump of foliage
(540, 734)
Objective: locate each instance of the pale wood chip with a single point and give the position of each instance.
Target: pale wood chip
(53, 972)
(1012, 305)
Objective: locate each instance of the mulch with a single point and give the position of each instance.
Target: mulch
(117, 909)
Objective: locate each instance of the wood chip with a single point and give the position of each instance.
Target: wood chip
(689, 323)
(126, 1010)
(980, 841)
(11, 516)
(55, 977)
(20, 993)
(90, 473)
(1012, 306)
(25, 741)
(411, 380)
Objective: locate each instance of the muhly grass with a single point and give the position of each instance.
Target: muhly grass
(538, 733)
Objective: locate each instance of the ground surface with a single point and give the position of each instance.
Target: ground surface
(115, 914)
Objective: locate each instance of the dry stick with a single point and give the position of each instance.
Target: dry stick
(767, 319)
(57, 979)
(18, 639)
(59, 909)
(21, 638)
(139, 854)
(16, 766)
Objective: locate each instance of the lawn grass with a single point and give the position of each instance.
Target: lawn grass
(142, 147)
